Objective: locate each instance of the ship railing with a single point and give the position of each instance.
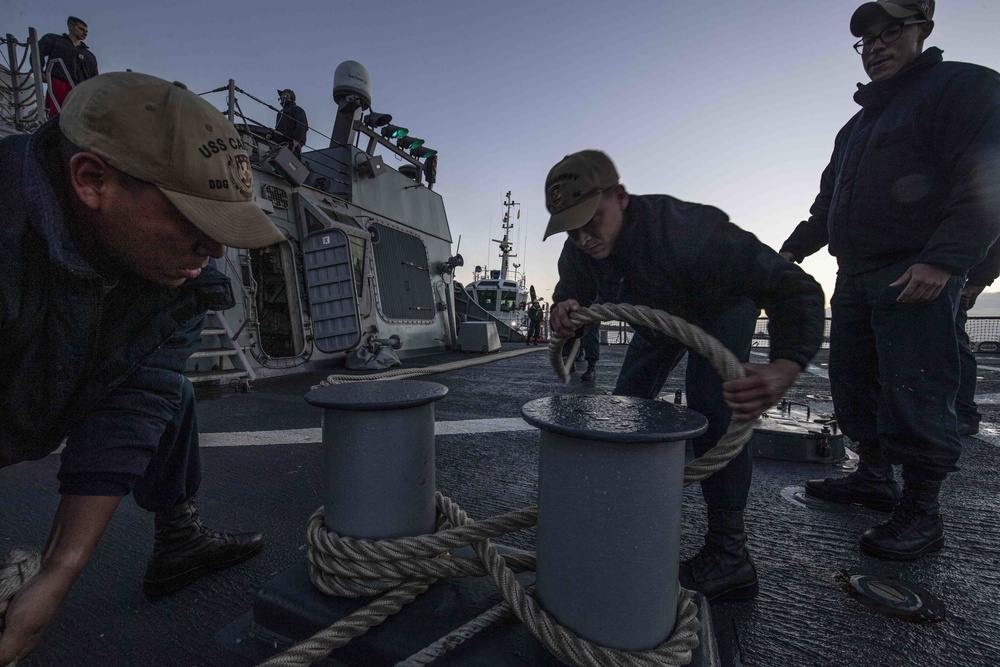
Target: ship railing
(984, 334)
(22, 102)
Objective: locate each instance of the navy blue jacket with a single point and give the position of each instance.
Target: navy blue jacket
(915, 175)
(80, 61)
(290, 124)
(79, 358)
(691, 261)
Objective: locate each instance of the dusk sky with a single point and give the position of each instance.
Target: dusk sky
(732, 103)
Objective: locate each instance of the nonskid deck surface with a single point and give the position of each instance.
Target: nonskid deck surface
(801, 617)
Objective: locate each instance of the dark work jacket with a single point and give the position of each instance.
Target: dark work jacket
(291, 124)
(915, 175)
(79, 60)
(691, 261)
(78, 360)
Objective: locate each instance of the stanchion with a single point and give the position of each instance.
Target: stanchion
(610, 480)
(379, 469)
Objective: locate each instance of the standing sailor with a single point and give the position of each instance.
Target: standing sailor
(909, 203)
(79, 62)
(291, 126)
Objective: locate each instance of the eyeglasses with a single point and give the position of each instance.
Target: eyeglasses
(887, 36)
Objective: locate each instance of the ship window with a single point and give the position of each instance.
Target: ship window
(357, 249)
(487, 299)
(508, 301)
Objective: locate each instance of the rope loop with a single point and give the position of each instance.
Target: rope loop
(718, 356)
(401, 569)
(17, 566)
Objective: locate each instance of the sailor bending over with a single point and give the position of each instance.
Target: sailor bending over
(109, 215)
(691, 261)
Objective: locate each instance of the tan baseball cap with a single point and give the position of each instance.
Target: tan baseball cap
(870, 12)
(573, 189)
(162, 133)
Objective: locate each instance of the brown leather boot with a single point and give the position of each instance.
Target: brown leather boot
(184, 550)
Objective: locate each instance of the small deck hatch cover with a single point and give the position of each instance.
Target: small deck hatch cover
(894, 597)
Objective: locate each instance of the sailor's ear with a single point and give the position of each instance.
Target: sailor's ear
(89, 177)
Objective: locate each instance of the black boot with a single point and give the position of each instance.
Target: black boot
(723, 569)
(590, 373)
(914, 529)
(871, 485)
(184, 550)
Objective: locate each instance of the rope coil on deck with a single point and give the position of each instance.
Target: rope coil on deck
(718, 356)
(404, 373)
(17, 566)
(406, 567)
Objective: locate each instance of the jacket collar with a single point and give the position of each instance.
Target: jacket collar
(878, 93)
(45, 213)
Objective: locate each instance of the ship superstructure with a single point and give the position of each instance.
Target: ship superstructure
(501, 292)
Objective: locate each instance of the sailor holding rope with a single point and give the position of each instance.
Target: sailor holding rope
(689, 260)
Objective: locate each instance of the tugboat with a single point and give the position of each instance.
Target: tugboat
(503, 298)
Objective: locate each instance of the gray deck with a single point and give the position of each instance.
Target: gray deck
(802, 616)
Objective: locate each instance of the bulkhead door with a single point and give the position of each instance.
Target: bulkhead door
(332, 292)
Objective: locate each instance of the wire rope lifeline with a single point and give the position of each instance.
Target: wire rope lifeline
(404, 568)
(696, 339)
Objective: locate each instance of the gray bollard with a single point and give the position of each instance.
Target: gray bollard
(378, 440)
(610, 478)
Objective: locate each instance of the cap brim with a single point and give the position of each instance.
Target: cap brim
(574, 217)
(234, 224)
(870, 12)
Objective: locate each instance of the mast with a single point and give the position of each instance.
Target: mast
(505, 244)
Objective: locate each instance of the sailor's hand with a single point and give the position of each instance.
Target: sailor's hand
(970, 293)
(30, 612)
(762, 388)
(559, 319)
(787, 255)
(923, 282)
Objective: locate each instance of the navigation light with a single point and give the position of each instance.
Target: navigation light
(422, 151)
(375, 119)
(405, 142)
(394, 132)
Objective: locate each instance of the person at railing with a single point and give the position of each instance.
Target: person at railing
(691, 261)
(79, 61)
(908, 204)
(291, 127)
(104, 285)
(534, 323)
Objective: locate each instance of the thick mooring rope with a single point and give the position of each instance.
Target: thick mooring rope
(718, 356)
(17, 566)
(406, 567)
(404, 373)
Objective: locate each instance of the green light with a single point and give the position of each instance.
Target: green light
(409, 142)
(423, 152)
(394, 132)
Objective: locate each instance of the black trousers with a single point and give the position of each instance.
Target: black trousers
(894, 371)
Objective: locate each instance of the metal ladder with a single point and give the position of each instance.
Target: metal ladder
(218, 346)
